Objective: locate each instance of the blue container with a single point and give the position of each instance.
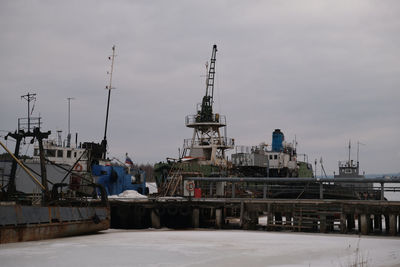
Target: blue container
(277, 140)
(116, 179)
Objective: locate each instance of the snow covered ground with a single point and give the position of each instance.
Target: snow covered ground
(203, 248)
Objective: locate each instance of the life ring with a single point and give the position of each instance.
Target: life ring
(78, 167)
(190, 186)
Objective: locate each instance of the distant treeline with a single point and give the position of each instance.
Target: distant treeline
(148, 168)
(7, 157)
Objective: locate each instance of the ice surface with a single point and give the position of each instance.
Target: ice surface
(203, 248)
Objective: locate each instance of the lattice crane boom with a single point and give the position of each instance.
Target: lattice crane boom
(206, 113)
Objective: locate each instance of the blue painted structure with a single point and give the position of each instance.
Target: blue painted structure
(277, 140)
(117, 179)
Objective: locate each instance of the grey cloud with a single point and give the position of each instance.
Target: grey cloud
(325, 71)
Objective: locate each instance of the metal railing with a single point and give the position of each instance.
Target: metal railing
(216, 118)
(348, 164)
(281, 187)
(249, 149)
(223, 141)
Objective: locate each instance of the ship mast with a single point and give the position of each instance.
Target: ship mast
(349, 151)
(29, 97)
(28, 127)
(69, 121)
(108, 87)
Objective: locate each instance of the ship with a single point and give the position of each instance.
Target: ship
(351, 169)
(278, 160)
(204, 156)
(48, 212)
(88, 161)
(77, 202)
(85, 162)
(205, 153)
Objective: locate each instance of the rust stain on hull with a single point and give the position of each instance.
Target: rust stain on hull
(34, 232)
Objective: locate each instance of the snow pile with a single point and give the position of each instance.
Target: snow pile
(152, 188)
(128, 194)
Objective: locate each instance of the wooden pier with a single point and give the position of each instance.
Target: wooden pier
(309, 215)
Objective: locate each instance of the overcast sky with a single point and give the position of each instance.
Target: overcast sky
(323, 71)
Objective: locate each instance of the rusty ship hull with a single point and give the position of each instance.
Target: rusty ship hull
(29, 223)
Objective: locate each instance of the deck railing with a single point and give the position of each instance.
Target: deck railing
(223, 141)
(216, 118)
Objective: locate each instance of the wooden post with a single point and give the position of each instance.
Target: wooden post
(241, 213)
(218, 218)
(364, 220)
(343, 227)
(155, 219)
(387, 224)
(392, 224)
(322, 223)
(196, 218)
(270, 220)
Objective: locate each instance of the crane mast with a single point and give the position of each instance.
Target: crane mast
(206, 112)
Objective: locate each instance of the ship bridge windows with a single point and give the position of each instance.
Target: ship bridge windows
(60, 153)
(68, 153)
(36, 152)
(50, 153)
(275, 156)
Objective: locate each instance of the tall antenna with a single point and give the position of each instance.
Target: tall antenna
(358, 149)
(349, 150)
(69, 121)
(59, 141)
(29, 97)
(108, 87)
(322, 168)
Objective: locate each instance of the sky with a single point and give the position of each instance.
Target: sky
(324, 72)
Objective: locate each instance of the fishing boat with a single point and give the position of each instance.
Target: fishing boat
(62, 210)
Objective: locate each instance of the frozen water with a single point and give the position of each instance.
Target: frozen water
(203, 248)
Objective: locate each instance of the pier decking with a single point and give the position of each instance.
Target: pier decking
(310, 215)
